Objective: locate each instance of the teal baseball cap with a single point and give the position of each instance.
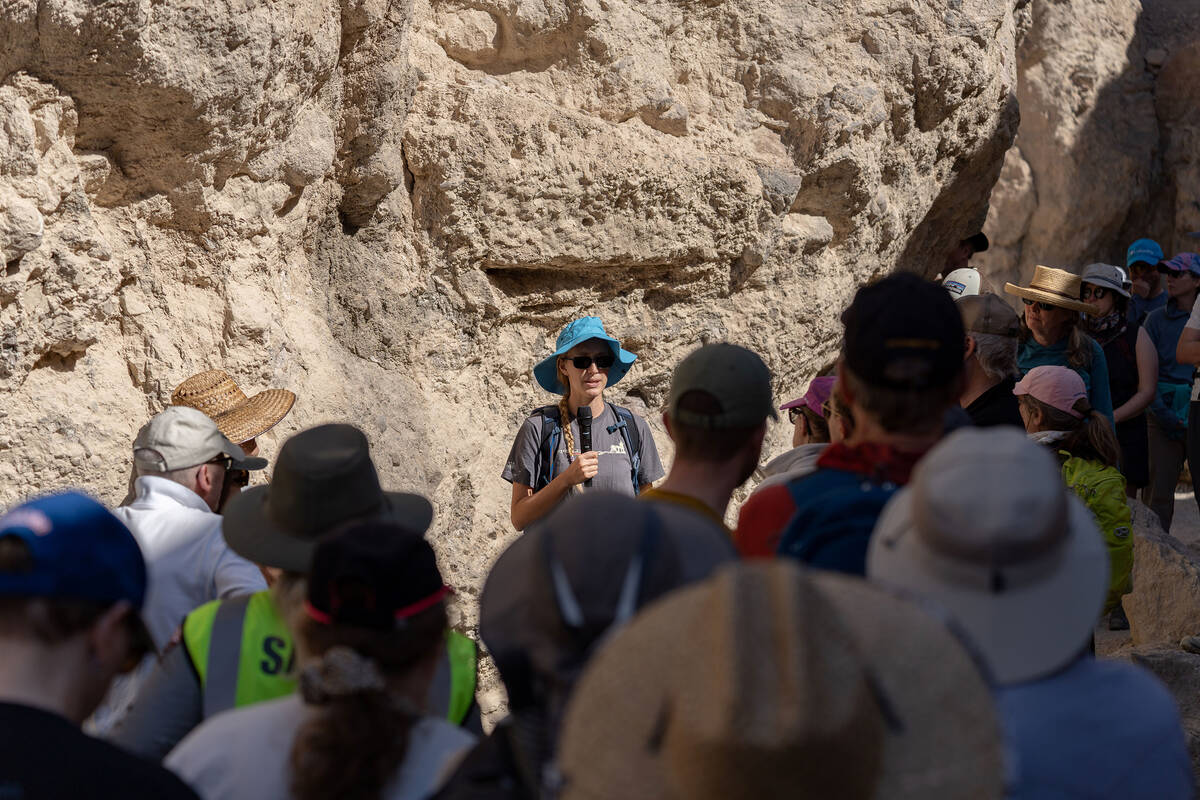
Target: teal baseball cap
(1145, 251)
(578, 332)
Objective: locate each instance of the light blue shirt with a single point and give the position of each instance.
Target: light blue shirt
(1098, 729)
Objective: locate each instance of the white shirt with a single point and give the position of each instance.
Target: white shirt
(187, 564)
(187, 560)
(245, 753)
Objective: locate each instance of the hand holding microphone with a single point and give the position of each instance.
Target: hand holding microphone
(584, 416)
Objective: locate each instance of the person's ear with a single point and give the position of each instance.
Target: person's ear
(969, 348)
(842, 386)
(667, 424)
(109, 638)
(204, 480)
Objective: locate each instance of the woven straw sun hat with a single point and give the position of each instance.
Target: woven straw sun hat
(1054, 286)
(770, 681)
(239, 417)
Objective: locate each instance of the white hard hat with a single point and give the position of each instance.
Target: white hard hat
(962, 282)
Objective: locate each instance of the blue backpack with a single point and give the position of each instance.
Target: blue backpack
(552, 433)
(836, 512)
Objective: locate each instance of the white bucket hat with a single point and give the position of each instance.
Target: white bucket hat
(1017, 559)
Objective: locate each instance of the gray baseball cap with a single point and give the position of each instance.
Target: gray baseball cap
(182, 437)
(736, 377)
(988, 313)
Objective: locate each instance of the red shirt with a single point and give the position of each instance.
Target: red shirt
(765, 514)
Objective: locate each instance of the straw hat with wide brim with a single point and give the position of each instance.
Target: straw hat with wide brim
(1054, 286)
(768, 681)
(239, 417)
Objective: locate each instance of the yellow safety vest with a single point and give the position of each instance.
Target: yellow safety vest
(243, 654)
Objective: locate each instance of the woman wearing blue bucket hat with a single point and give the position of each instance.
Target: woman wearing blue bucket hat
(545, 465)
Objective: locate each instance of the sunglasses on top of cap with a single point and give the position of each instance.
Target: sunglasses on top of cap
(602, 361)
(1041, 305)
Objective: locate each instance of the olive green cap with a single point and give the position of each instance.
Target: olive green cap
(735, 377)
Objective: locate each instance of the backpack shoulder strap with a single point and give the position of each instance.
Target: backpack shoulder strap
(551, 432)
(633, 441)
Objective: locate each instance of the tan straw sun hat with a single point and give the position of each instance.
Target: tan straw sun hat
(1054, 286)
(239, 417)
(769, 681)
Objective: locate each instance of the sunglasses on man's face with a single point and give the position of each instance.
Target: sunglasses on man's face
(793, 415)
(1042, 306)
(583, 362)
(1094, 293)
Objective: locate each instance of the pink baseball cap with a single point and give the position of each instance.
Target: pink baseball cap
(818, 392)
(1057, 387)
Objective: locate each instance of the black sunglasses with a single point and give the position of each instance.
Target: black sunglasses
(794, 414)
(1042, 306)
(583, 362)
(1094, 293)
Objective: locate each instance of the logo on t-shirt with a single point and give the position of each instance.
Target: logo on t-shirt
(618, 449)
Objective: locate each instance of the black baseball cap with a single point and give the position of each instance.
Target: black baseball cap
(903, 332)
(373, 575)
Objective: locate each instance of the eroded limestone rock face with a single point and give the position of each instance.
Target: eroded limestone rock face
(1110, 127)
(393, 208)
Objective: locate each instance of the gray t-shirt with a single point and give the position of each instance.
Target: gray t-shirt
(615, 464)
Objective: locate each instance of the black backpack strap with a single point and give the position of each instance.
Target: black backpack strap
(551, 433)
(633, 442)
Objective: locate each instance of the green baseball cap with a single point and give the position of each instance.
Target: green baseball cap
(735, 377)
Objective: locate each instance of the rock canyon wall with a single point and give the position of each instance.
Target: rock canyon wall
(1109, 143)
(392, 208)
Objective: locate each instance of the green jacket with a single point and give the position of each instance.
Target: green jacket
(243, 653)
(1102, 489)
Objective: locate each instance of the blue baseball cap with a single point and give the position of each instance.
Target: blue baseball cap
(80, 551)
(1146, 251)
(577, 332)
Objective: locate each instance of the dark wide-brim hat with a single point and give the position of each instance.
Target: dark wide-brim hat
(323, 479)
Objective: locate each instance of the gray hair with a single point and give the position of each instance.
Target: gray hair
(997, 355)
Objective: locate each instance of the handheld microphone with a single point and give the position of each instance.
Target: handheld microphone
(584, 415)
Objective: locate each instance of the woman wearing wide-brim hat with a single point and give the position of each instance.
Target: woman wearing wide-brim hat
(545, 464)
(1051, 335)
(1132, 365)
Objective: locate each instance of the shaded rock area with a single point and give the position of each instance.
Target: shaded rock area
(1106, 152)
(1180, 671)
(392, 207)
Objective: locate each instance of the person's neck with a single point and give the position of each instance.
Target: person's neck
(1056, 336)
(868, 431)
(596, 404)
(712, 483)
(977, 382)
(34, 675)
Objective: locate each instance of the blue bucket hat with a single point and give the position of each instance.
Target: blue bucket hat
(1146, 251)
(577, 332)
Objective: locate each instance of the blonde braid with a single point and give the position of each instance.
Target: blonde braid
(564, 411)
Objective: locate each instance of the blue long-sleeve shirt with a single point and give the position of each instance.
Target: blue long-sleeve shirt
(1095, 378)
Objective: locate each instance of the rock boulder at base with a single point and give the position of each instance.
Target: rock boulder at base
(1164, 605)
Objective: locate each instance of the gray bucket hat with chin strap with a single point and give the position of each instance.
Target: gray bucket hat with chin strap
(1108, 276)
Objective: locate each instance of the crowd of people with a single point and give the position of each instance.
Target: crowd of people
(906, 606)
